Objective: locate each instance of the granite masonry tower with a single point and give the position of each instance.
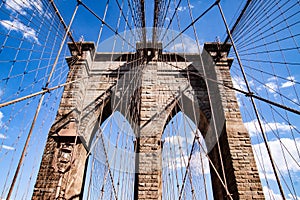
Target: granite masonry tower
(86, 103)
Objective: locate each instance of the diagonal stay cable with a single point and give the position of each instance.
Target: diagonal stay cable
(39, 107)
(171, 19)
(273, 90)
(108, 166)
(192, 23)
(124, 17)
(245, 93)
(269, 51)
(64, 24)
(187, 169)
(238, 19)
(253, 104)
(264, 28)
(275, 62)
(45, 90)
(206, 154)
(271, 42)
(105, 23)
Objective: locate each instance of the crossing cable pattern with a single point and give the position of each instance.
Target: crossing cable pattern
(25, 54)
(266, 37)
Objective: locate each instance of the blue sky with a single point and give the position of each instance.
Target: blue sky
(29, 35)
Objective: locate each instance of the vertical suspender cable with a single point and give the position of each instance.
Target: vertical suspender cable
(252, 101)
(39, 107)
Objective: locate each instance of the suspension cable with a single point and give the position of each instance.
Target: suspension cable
(191, 24)
(253, 103)
(39, 107)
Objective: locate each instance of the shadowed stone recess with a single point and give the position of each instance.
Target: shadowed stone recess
(159, 86)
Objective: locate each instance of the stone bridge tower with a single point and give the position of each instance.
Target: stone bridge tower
(164, 80)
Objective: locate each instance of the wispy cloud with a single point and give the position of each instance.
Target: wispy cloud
(187, 45)
(22, 6)
(253, 127)
(295, 100)
(199, 163)
(280, 155)
(1, 117)
(265, 167)
(18, 26)
(180, 140)
(2, 125)
(1, 93)
(179, 158)
(10, 148)
(183, 8)
(2, 136)
(289, 83)
(270, 194)
(293, 197)
(272, 87)
(239, 83)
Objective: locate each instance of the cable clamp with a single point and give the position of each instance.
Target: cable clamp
(46, 89)
(249, 94)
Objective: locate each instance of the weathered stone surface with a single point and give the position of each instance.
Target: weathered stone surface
(148, 105)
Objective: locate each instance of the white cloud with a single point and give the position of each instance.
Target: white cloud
(187, 45)
(2, 125)
(18, 26)
(272, 87)
(180, 140)
(280, 154)
(289, 83)
(2, 136)
(239, 83)
(176, 163)
(175, 140)
(183, 8)
(21, 6)
(199, 163)
(295, 100)
(273, 78)
(253, 127)
(1, 117)
(270, 194)
(7, 147)
(290, 197)
(179, 157)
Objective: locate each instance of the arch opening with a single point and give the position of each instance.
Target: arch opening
(110, 166)
(185, 172)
